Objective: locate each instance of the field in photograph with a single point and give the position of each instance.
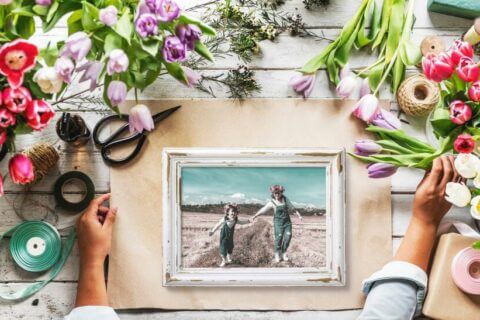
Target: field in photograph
(253, 242)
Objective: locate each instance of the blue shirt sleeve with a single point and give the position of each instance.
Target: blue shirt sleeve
(397, 291)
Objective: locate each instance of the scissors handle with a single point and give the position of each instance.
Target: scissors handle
(105, 121)
(105, 150)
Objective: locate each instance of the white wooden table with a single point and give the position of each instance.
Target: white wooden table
(274, 68)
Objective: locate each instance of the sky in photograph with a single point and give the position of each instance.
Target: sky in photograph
(305, 186)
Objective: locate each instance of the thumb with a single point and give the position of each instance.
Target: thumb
(110, 218)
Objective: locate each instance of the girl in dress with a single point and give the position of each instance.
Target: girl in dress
(227, 223)
(282, 225)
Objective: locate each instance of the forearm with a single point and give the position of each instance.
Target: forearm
(418, 242)
(91, 289)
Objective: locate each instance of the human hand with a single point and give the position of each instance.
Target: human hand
(94, 231)
(430, 205)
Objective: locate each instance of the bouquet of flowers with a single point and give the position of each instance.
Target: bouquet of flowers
(117, 45)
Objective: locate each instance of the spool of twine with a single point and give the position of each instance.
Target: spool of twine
(417, 95)
(44, 157)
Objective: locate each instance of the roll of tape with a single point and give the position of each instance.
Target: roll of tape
(73, 206)
(35, 246)
(466, 270)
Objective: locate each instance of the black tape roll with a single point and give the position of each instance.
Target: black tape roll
(73, 206)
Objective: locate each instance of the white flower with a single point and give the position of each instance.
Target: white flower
(467, 165)
(475, 208)
(48, 80)
(458, 194)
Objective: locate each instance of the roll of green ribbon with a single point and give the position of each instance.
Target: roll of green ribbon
(36, 246)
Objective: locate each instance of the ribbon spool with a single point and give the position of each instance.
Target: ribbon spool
(35, 246)
(473, 34)
(466, 270)
(73, 129)
(44, 157)
(73, 206)
(417, 95)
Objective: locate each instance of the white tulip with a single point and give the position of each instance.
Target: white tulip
(475, 208)
(476, 181)
(458, 194)
(48, 80)
(467, 165)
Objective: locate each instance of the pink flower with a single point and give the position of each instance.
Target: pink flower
(464, 143)
(474, 91)
(3, 136)
(38, 114)
(381, 170)
(365, 88)
(303, 84)
(346, 87)
(117, 62)
(64, 67)
(437, 68)
(1, 186)
(467, 70)
(7, 118)
(460, 112)
(367, 108)
(108, 15)
(117, 92)
(192, 77)
(459, 50)
(387, 120)
(16, 100)
(20, 169)
(16, 58)
(140, 119)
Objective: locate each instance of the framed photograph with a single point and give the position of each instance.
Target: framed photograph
(253, 217)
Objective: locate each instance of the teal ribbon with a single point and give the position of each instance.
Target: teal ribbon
(52, 255)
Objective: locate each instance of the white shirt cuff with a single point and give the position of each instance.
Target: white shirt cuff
(92, 313)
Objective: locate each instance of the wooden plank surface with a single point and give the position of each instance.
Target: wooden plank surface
(274, 67)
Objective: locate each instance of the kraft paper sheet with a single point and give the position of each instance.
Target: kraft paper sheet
(135, 268)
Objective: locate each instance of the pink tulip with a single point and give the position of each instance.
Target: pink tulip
(459, 50)
(387, 120)
(467, 70)
(381, 170)
(16, 100)
(3, 136)
(464, 143)
(140, 119)
(367, 108)
(367, 148)
(365, 88)
(460, 112)
(1, 186)
(38, 114)
(474, 91)
(7, 118)
(346, 72)
(346, 87)
(20, 169)
(303, 84)
(437, 68)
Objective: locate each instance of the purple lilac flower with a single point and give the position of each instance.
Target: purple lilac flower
(189, 34)
(174, 50)
(146, 25)
(92, 71)
(381, 170)
(117, 92)
(167, 11)
(45, 3)
(367, 148)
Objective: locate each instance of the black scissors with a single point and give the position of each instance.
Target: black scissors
(117, 138)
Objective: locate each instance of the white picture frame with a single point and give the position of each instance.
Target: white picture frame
(333, 274)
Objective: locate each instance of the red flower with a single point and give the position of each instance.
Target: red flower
(459, 50)
(16, 100)
(20, 169)
(7, 118)
(474, 91)
(437, 68)
(467, 70)
(38, 114)
(464, 143)
(460, 112)
(16, 58)
(3, 136)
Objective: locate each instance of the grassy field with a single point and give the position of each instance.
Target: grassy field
(253, 242)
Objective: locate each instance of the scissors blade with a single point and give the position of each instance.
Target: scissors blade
(159, 117)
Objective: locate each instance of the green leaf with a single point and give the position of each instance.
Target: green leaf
(332, 68)
(374, 16)
(52, 10)
(375, 75)
(23, 128)
(398, 74)
(206, 29)
(476, 245)
(90, 17)
(66, 7)
(441, 123)
(202, 50)
(403, 139)
(150, 46)
(25, 27)
(124, 26)
(385, 21)
(40, 10)
(394, 29)
(410, 53)
(176, 71)
(49, 55)
(23, 11)
(112, 41)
